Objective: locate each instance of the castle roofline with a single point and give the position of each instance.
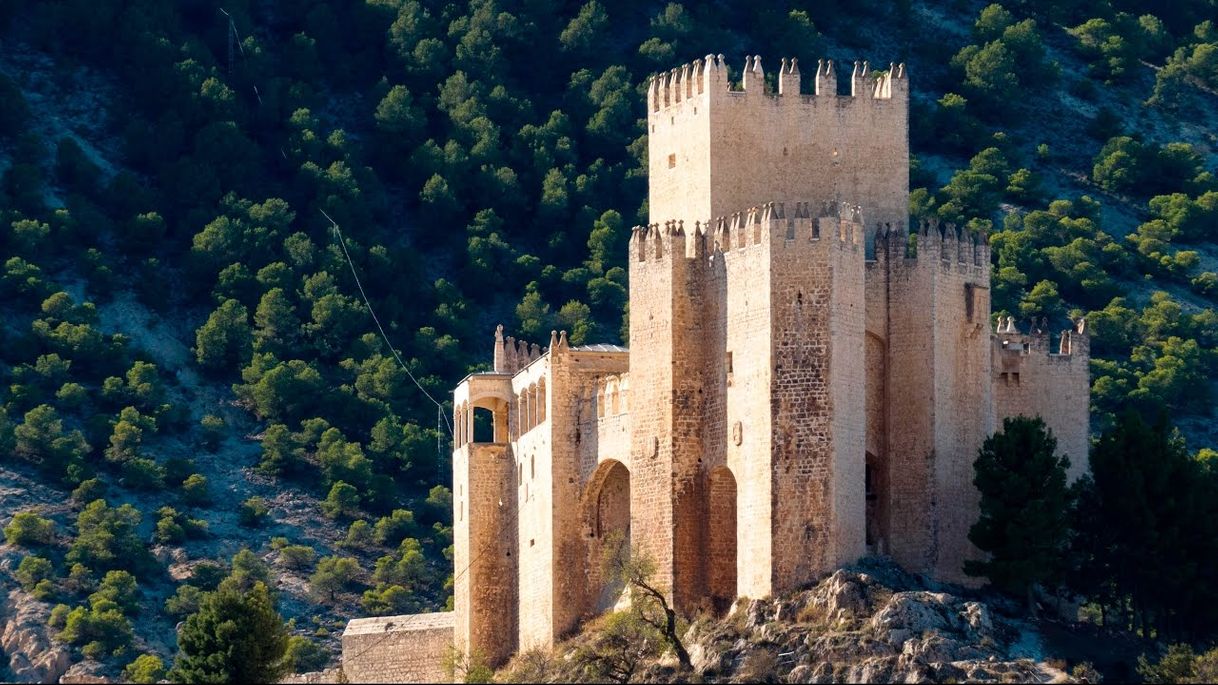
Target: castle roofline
(484, 374)
(709, 75)
(601, 347)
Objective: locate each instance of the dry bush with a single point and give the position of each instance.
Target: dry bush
(758, 666)
(534, 665)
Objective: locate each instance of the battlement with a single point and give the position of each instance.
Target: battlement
(834, 223)
(512, 355)
(933, 242)
(1012, 343)
(709, 76)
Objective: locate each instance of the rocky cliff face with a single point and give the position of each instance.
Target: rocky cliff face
(30, 655)
(868, 624)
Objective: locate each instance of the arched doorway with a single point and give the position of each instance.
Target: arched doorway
(721, 560)
(607, 520)
(876, 492)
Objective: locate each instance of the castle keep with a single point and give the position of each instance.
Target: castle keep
(807, 380)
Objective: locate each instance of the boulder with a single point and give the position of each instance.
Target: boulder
(913, 613)
(756, 613)
(839, 599)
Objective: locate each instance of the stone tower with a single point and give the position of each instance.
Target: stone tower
(715, 148)
(807, 380)
(747, 327)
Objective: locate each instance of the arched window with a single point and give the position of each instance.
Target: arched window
(541, 401)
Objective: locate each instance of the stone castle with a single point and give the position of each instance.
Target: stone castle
(807, 380)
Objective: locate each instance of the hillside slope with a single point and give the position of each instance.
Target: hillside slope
(173, 295)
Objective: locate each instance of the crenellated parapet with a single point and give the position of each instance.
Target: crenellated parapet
(944, 245)
(512, 355)
(832, 223)
(709, 76)
(1011, 342)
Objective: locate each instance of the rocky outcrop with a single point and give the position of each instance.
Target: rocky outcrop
(853, 628)
(32, 656)
(85, 672)
(868, 624)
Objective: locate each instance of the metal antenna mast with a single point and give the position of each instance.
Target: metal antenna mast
(232, 38)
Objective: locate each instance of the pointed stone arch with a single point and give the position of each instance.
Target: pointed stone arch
(606, 515)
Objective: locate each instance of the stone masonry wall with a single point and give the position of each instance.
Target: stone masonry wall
(1032, 376)
(803, 310)
(397, 649)
(848, 397)
(938, 353)
(740, 370)
(571, 371)
(535, 543)
(715, 150)
(484, 551)
(655, 272)
(965, 408)
(910, 411)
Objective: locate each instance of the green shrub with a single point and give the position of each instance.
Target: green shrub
(247, 569)
(89, 490)
(143, 474)
(359, 535)
(343, 500)
(391, 530)
(297, 557)
(42, 440)
(407, 566)
(213, 431)
(59, 616)
(32, 570)
(223, 341)
(253, 512)
(184, 601)
(147, 668)
(235, 636)
(120, 588)
(304, 655)
(99, 630)
(107, 538)
(72, 395)
(206, 575)
(332, 575)
(29, 529)
(168, 531)
(79, 581)
(177, 470)
(44, 590)
(194, 490)
(388, 600)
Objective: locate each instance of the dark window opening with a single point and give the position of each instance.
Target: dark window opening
(484, 425)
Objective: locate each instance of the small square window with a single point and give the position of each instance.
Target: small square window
(672, 161)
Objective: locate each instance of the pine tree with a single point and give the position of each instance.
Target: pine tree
(236, 636)
(1024, 508)
(1145, 529)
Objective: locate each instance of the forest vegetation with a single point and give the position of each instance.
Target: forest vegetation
(186, 356)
